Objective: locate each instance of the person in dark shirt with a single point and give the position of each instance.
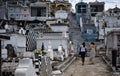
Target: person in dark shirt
(83, 50)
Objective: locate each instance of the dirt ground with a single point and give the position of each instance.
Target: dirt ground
(99, 68)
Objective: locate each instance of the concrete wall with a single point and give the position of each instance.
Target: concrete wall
(48, 22)
(59, 28)
(17, 41)
(112, 23)
(19, 12)
(54, 42)
(113, 42)
(2, 12)
(35, 8)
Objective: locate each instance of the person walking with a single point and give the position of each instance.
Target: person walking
(83, 50)
(92, 52)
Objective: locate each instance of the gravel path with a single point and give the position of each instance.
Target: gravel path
(96, 69)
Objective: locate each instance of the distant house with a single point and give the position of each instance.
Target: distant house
(18, 11)
(81, 11)
(40, 10)
(111, 18)
(96, 7)
(60, 5)
(86, 20)
(18, 42)
(88, 10)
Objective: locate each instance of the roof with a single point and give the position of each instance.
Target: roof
(37, 4)
(115, 9)
(114, 31)
(96, 3)
(81, 3)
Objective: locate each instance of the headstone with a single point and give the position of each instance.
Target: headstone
(4, 53)
(50, 52)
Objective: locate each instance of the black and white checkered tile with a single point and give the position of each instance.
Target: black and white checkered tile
(37, 66)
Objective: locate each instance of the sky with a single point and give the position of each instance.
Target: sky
(108, 3)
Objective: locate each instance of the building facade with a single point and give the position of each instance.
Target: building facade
(18, 11)
(84, 19)
(40, 10)
(81, 11)
(113, 47)
(59, 5)
(96, 7)
(107, 21)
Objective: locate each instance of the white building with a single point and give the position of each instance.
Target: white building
(36, 11)
(113, 43)
(58, 37)
(112, 20)
(40, 10)
(17, 41)
(18, 11)
(25, 68)
(60, 27)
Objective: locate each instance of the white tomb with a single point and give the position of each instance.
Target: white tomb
(50, 51)
(25, 68)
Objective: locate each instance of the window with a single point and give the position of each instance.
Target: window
(25, 9)
(40, 11)
(118, 38)
(59, 21)
(36, 66)
(11, 15)
(11, 9)
(25, 16)
(17, 9)
(81, 9)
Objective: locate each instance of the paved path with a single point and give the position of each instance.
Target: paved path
(97, 69)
